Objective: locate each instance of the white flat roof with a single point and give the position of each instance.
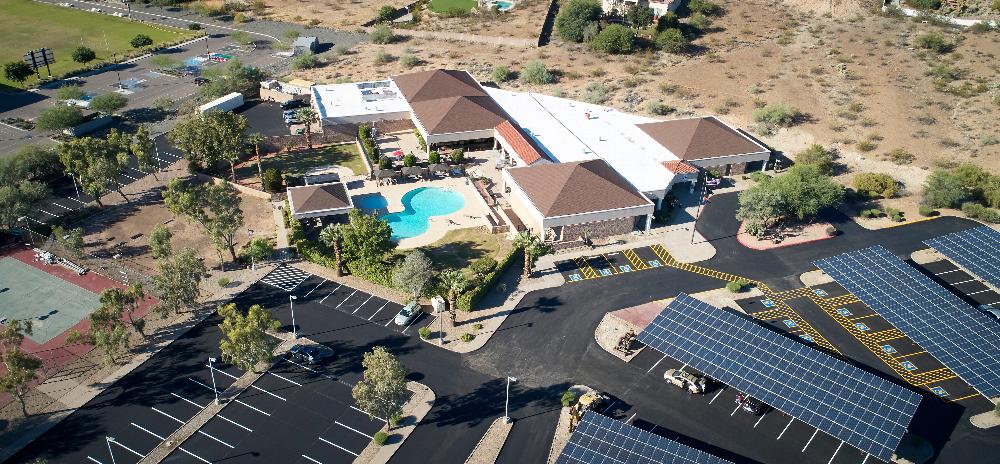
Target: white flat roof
(561, 128)
(358, 99)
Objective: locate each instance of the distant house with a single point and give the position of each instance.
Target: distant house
(305, 45)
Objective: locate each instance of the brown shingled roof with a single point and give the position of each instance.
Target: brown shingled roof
(575, 188)
(523, 146)
(446, 101)
(700, 138)
(320, 197)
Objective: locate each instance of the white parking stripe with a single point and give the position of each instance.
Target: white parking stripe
(758, 420)
(629, 421)
(365, 413)
(222, 372)
(352, 429)
(189, 401)
(285, 379)
(216, 439)
(311, 459)
(300, 365)
(78, 201)
(380, 309)
(981, 291)
(737, 408)
(95, 460)
(147, 431)
(412, 322)
(613, 403)
(338, 446)
(251, 407)
(810, 440)
(46, 212)
(331, 293)
(657, 363)
(248, 429)
(168, 415)
(314, 288)
(863, 461)
(130, 177)
(202, 384)
(963, 282)
(835, 453)
(345, 300)
(948, 272)
(129, 449)
(194, 455)
(61, 206)
(786, 428)
(717, 395)
(362, 304)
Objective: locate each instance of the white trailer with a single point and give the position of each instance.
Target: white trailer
(226, 103)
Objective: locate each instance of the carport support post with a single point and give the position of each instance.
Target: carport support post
(211, 369)
(291, 304)
(112, 453)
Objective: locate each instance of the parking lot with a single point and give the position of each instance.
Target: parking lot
(613, 264)
(772, 429)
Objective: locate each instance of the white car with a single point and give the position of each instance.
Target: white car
(686, 380)
(407, 314)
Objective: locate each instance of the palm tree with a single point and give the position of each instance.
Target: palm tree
(331, 236)
(256, 138)
(454, 280)
(533, 247)
(308, 117)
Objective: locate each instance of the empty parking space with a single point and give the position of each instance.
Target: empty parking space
(602, 265)
(331, 295)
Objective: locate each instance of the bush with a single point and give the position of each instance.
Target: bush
(925, 4)
(457, 156)
(977, 211)
(927, 211)
(434, 157)
(409, 60)
(386, 13)
(141, 40)
(410, 160)
(58, 117)
(535, 73)
(272, 180)
(894, 214)
(777, 115)
(108, 103)
(383, 57)
(942, 189)
(466, 301)
(501, 73)
(699, 21)
(424, 332)
(817, 156)
(995, 5)
(384, 163)
(659, 108)
(933, 41)
(595, 93)
(239, 18)
(667, 21)
(380, 438)
(477, 326)
(568, 398)
(483, 266)
(870, 213)
(420, 140)
(900, 156)
(614, 39)
(468, 337)
(704, 7)
(738, 285)
(83, 55)
(875, 185)
(194, 26)
(672, 40)
(70, 92)
(574, 17)
(224, 281)
(306, 61)
(831, 231)
(381, 34)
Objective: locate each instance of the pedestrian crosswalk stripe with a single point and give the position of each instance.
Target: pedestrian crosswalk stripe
(285, 278)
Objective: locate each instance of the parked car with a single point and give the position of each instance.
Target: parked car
(310, 354)
(749, 404)
(288, 113)
(407, 314)
(294, 103)
(291, 121)
(990, 312)
(200, 81)
(686, 380)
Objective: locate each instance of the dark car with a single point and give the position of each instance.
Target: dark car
(750, 404)
(201, 81)
(294, 103)
(310, 354)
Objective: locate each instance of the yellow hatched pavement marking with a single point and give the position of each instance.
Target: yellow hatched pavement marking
(611, 266)
(585, 269)
(634, 258)
(963, 398)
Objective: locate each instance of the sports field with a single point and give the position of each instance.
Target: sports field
(50, 303)
(441, 6)
(26, 25)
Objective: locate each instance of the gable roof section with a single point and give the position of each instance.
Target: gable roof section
(524, 147)
(448, 101)
(700, 138)
(567, 189)
(679, 167)
(319, 197)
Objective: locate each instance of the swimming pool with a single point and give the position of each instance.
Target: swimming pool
(503, 5)
(418, 206)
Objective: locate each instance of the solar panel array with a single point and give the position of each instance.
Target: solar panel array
(944, 325)
(863, 410)
(602, 440)
(977, 250)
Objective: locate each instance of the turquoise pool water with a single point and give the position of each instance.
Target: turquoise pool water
(418, 206)
(503, 5)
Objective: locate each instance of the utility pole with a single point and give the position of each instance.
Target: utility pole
(506, 404)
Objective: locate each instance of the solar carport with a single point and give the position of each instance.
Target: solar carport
(850, 404)
(976, 249)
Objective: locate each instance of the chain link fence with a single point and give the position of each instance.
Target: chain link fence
(119, 269)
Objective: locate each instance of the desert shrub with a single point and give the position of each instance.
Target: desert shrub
(900, 156)
(667, 21)
(223, 281)
(467, 337)
(942, 189)
(659, 108)
(383, 57)
(995, 5)
(925, 4)
(831, 231)
(306, 61)
(866, 145)
(381, 34)
(817, 156)
(574, 17)
(777, 115)
(535, 73)
(410, 160)
(933, 41)
(699, 21)
(434, 157)
(737, 286)
(927, 211)
(983, 213)
(239, 18)
(409, 60)
(501, 73)
(671, 40)
(875, 185)
(567, 398)
(380, 438)
(83, 55)
(704, 7)
(614, 39)
(595, 93)
(894, 214)
(424, 332)
(386, 13)
(272, 180)
(477, 326)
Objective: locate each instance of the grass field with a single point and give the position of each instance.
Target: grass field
(441, 6)
(26, 25)
(460, 247)
(301, 162)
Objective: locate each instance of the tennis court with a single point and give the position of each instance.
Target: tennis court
(50, 303)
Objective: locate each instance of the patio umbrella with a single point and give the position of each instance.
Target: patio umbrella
(439, 168)
(416, 171)
(385, 174)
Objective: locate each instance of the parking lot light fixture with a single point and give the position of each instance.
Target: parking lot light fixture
(291, 304)
(506, 404)
(112, 453)
(211, 369)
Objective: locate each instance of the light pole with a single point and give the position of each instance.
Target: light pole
(291, 304)
(112, 453)
(506, 404)
(211, 369)
(75, 188)
(253, 266)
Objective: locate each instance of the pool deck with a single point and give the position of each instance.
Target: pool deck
(472, 213)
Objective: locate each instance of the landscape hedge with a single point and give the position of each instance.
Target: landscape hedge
(466, 301)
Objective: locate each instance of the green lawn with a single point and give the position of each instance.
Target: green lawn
(460, 247)
(301, 162)
(26, 25)
(441, 6)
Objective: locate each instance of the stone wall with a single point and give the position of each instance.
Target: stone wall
(601, 229)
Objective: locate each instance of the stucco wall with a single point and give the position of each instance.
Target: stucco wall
(600, 229)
